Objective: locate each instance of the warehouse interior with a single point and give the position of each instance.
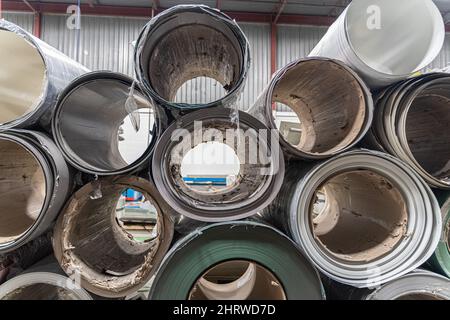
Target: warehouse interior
(119, 180)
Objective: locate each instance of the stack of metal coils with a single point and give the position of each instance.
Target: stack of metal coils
(348, 202)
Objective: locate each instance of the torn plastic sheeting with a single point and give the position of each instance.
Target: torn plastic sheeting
(411, 122)
(385, 41)
(440, 261)
(363, 189)
(132, 108)
(43, 281)
(34, 170)
(29, 97)
(257, 184)
(308, 86)
(162, 72)
(14, 262)
(30, 253)
(190, 257)
(89, 243)
(87, 120)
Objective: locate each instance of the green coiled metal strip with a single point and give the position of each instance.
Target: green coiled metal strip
(239, 240)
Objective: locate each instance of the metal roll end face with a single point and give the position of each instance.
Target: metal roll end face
(417, 285)
(104, 124)
(385, 41)
(236, 261)
(93, 241)
(332, 106)
(411, 123)
(241, 170)
(32, 78)
(25, 75)
(190, 41)
(42, 286)
(34, 183)
(387, 27)
(364, 218)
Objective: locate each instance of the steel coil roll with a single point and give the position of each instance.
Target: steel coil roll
(330, 123)
(89, 116)
(440, 261)
(261, 165)
(186, 42)
(43, 281)
(236, 260)
(90, 244)
(35, 181)
(417, 285)
(363, 218)
(411, 123)
(385, 41)
(34, 75)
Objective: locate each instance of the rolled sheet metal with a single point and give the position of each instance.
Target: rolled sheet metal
(440, 261)
(385, 41)
(411, 122)
(329, 123)
(363, 218)
(35, 181)
(43, 281)
(248, 241)
(257, 183)
(88, 117)
(32, 78)
(186, 42)
(417, 285)
(90, 245)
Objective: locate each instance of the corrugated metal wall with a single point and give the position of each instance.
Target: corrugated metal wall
(443, 59)
(296, 42)
(22, 19)
(260, 74)
(105, 43)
